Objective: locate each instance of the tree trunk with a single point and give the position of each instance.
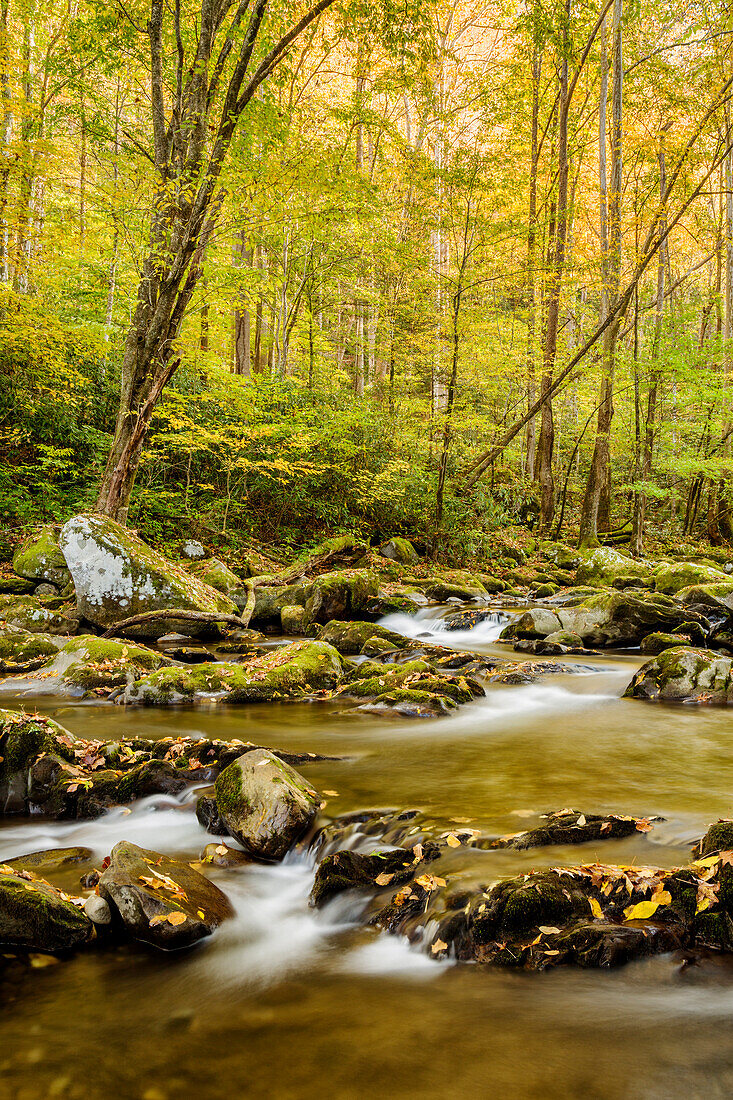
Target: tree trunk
(531, 304)
(599, 474)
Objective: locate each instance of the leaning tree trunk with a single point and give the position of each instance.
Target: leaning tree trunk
(189, 151)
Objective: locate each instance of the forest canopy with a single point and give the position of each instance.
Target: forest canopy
(391, 268)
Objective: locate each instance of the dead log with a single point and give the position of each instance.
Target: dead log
(211, 617)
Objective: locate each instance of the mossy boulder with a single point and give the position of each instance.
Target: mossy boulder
(41, 559)
(417, 677)
(400, 550)
(265, 804)
(607, 618)
(673, 578)
(456, 588)
(657, 642)
(161, 901)
(217, 575)
(600, 568)
(349, 637)
(295, 619)
(32, 614)
(684, 675)
(21, 651)
(37, 917)
(718, 838)
(340, 595)
(718, 597)
(117, 575)
(13, 585)
(88, 665)
(287, 672)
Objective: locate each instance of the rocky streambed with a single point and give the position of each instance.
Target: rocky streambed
(215, 847)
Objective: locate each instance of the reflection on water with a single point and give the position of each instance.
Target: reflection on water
(284, 1002)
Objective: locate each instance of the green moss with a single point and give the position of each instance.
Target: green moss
(24, 737)
(34, 915)
(22, 646)
(228, 791)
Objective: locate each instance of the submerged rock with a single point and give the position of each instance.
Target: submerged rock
(117, 575)
(684, 675)
(161, 901)
(37, 917)
(50, 859)
(265, 804)
(571, 827)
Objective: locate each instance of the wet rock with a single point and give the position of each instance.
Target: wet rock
(295, 620)
(117, 575)
(207, 813)
(40, 558)
(415, 675)
(410, 703)
(266, 805)
(221, 856)
(571, 827)
(188, 655)
(50, 859)
(715, 598)
(684, 675)
(400, 550)
(288, 672)
(98, 911)
(718, 838)
(467, 620)
(346, 870)
(721, 637)
(161, 901)
(37, 917)
(526, 672)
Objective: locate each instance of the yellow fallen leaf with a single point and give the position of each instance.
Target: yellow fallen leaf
(177, 918)
(643, 910)
(201, 913)
(595, 908)
(452, 841)
(383, 879)
(581, 820)
(709, 861)
(332, 794)
(551, 952)
(221, 849)
(438, 946)
(548, 929)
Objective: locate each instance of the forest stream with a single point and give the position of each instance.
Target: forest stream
(288, 1001)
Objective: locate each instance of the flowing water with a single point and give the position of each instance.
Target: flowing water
(287, 1002)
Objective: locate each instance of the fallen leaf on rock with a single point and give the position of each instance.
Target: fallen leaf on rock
(549, 930)
(452, 841)
(383, 879)
(438, 946)
(595, 908)
(430, 882)
(221, 849)
(551, 952)
(644, 825)
(581, 820)
(643, 910)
